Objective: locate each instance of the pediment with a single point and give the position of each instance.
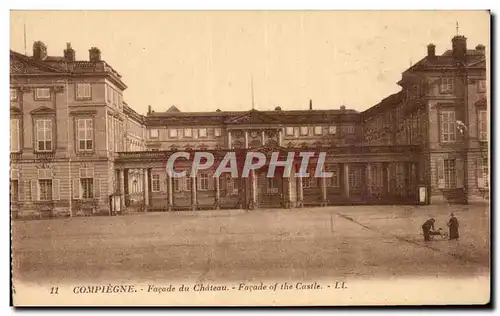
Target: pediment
(252, 117)
(42, 110)
(20, 64)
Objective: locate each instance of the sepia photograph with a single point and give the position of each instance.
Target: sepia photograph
(250, 158)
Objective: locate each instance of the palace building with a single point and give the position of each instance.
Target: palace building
(75, 143)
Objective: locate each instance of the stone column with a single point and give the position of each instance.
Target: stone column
(324, 201)
(217, 192)
(280, 137)
(254, 189)
(368, 168)
(229, 140)
(289, 191)
(263, 133)
(346, 180)
(122, 187)
(145, 175)
(193, 193)
(300, 191)
(385, 178)
(170, 190)
(246, 139)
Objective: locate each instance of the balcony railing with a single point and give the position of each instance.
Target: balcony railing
(339, 150)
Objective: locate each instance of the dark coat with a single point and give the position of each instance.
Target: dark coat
(453, 225)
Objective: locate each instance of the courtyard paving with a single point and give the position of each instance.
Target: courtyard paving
(310, 243)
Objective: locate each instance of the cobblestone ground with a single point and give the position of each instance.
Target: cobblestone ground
(311, 243)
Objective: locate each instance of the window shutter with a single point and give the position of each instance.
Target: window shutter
(14, 174)
(481, 181)
(459, 173)
(440, 173)
(27, 190)
(22, 195)
(76, 188)
(97, 188)
(34, 190)
(56, 196)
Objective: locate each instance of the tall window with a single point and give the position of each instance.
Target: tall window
(483, 125)
(204, 184)
(448, 126)
(83, 91)
(446, 85)
(45, 187)
(45, 184)
(188, 132)
(13, 94)
(14, 190)
(450, 176)
(42, 94)
(86, 183)
(14, 135)
(376, 175)
(272, 186)
(354, 178)
(310, 181)
(349, 129)
(318, 130)
(87, 186)
(332, 129)
(289, 130)
(85, 129)
(304, 130)
(332, 181)
(44, 135)
(155, 182)
(217, 132)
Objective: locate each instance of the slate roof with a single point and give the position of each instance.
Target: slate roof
(23, 64)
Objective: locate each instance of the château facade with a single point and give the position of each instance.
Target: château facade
(75, 142)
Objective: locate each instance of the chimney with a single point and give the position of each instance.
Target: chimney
(342, 108)
(278, 108)
(431, 51)
(480, 48)
(69, 53)
(310, 104)
(94, 54)
(149, 109)
(459, 45)
(39, 50)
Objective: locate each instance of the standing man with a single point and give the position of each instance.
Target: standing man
(427, 227)
(453, 225)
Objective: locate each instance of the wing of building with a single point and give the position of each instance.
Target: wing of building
(78, 149)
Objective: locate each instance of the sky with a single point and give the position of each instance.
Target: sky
(207, 60)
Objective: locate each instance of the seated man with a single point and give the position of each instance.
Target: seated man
(428, 228)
